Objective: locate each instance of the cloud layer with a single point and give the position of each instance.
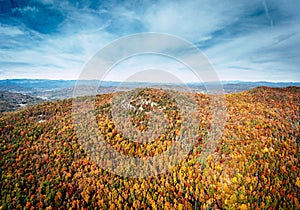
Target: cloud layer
(244, 40)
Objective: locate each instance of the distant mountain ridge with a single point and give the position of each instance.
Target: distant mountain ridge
(36, 85)
(18, 93)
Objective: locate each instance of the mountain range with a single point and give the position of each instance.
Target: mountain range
(18, 93)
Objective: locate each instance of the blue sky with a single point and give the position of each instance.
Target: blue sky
(244, 40)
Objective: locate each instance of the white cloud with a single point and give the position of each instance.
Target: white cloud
(266, 53)
(238, 41)
(193, 20)
(10, 30)
(25, 9)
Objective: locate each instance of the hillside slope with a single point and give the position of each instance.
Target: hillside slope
(254, 166)
(10, 101)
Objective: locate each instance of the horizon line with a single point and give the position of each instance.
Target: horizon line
(117, 81)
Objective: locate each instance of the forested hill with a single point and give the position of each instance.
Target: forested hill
(255, 164)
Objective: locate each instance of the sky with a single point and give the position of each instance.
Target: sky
(242, 40)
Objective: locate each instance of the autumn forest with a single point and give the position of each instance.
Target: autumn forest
(254, 163)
